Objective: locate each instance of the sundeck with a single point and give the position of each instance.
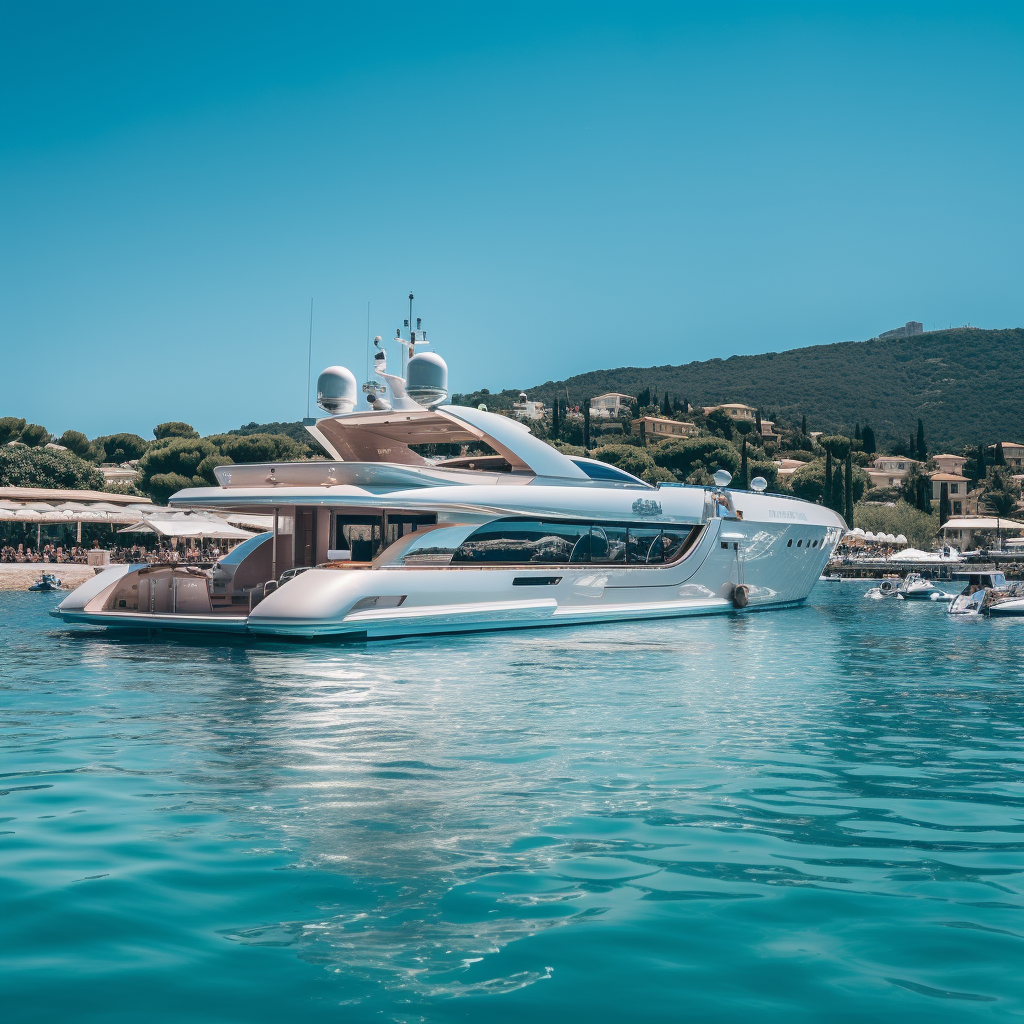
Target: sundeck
(386, 539)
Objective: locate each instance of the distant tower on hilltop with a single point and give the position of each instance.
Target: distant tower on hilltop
(911, 328)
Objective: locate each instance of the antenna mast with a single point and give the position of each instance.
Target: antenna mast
(309, 357)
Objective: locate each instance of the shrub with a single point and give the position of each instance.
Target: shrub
(626, 457)
(174, 456)
(10, 428)
(683, 456)
(42, 467)
(657, 474)
(122, 447)
(175, 428)
(34, 435)
(209, 464)
(76, 442)
(260, 447)
(918, 527)
(162, 485)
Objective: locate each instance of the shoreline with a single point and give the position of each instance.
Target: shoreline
(21, 575)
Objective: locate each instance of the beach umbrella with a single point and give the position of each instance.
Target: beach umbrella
(869, 536)
(857, 531)
(901, 540)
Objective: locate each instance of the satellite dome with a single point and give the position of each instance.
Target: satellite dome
(427, 379)
(336, 390)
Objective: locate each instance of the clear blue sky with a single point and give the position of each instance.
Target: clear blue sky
(565, 186)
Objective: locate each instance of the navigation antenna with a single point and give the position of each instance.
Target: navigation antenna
(309, 357)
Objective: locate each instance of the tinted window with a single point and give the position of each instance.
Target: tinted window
(518, 542)
(600, 471)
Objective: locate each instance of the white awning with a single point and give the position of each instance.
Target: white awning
(983, 523)
(185, 524)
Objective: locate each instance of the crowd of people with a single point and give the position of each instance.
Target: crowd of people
(161, 553)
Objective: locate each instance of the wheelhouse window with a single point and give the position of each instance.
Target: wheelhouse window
(538, 542)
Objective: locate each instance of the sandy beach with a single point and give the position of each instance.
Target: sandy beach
(21, 575)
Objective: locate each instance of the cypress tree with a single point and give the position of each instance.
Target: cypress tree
(981, 462)
(999, 459)
(757, 423)
(856, 431)
(922, 452)
(743, 465)
(555, 425)
(868, 437)
(943, 503)
(849, 490)
(827, 498)
(586, 426)
(666, 406)
(838, 502)
(803, 425)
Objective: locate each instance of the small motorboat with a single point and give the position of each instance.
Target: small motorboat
(46, 583)
(916, 588)
(1006, 603)
(887, 588)
(979, 593)
(830, 578)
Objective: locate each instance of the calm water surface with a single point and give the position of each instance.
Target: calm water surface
(808, 815)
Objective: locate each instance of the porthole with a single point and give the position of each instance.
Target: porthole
(790, 544)
(799, 543)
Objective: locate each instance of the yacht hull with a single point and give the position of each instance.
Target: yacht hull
(736, 566)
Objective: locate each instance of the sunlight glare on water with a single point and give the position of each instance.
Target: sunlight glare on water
(813, 814)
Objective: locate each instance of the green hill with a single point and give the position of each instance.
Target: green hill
(967, 384)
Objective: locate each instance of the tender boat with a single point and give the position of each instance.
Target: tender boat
(390, 539)
(46, 583)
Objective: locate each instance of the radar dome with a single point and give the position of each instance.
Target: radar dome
(427, 379)
(336, 390)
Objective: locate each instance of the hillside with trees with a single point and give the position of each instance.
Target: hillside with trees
(966, 384)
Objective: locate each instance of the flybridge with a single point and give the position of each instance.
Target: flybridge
(391, 428)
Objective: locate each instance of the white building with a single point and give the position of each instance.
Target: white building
(971, 531)
(953, 464)
(656, 428)
(610, 406)
(734, 410)
(956, 488)
(890, 470)
(525, 409)
(1012, 452)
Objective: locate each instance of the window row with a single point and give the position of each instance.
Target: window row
(521, 542)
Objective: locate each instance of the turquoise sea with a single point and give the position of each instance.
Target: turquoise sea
(805, 815)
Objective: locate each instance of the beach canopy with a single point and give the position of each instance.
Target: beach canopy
(187, 524)
(982, 523)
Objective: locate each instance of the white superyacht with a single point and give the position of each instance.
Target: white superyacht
(386, 540)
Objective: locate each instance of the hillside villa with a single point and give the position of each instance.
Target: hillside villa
(524, 409)
(657, 428)
(1012, 452)
(734, 410)
(953, 464)
(610, 406)
(889, 470)
(956, 488)
(787, 467)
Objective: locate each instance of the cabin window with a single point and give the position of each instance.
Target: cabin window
(517, 542)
